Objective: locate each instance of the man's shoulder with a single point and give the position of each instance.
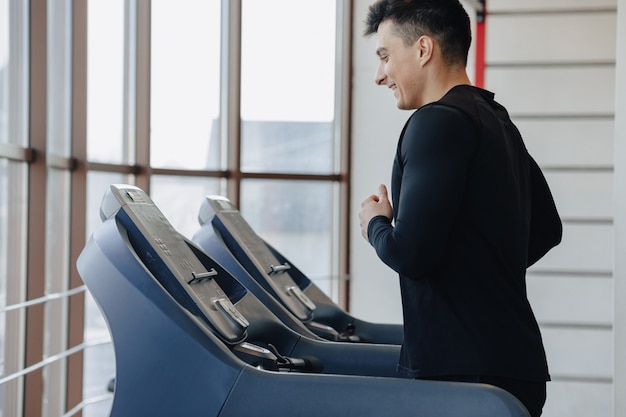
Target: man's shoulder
(440, 122)
(466, 98)
(476, 103)
(459, 103)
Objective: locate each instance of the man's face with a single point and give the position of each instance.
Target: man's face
(399, 67)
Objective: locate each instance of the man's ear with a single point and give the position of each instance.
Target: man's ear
(425, 49)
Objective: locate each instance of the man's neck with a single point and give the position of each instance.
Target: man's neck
(442, 80)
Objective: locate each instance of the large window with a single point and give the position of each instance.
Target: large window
(280, 164)
(184, 99)
(106, 65)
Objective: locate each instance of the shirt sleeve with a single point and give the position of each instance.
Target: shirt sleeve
(546, 229)
(437, 146)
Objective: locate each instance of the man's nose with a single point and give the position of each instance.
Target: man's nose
(380, 77)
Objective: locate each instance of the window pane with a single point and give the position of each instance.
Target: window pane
(98, 372)
(14, 72)
(296, 218)
(59, 73)
(185, 84)
(287, 147)
(288, 87)
(4, 73)
(57, 230)
(57, 273)
(13, 209)
(179, 198)
(105, 81)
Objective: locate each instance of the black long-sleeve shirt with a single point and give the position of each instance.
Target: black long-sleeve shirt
(472, 211)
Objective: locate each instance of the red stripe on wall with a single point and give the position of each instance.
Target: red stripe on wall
(480, 45)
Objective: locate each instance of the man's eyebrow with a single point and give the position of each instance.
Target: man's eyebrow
(381, 50)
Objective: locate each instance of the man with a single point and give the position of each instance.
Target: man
(470, 210)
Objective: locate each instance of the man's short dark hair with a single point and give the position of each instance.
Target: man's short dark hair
(446, 21)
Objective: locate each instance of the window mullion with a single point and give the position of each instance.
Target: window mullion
(130, 81)
(343, 74)
(36, 195)
(141, 91)
(78, 186)
(230, 103)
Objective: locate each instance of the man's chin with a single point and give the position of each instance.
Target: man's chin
(404, 106)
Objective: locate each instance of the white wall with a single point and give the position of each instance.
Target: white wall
(376, 125)
(552, 64)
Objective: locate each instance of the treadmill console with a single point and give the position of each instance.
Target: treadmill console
(232, 226)
(172, 261)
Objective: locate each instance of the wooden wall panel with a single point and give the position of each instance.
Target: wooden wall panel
(516, 6)
(586, 248)
(579, 352)
(582, 195)
(548, 38)
(580, 399)
(571, 91)
(585, 300)
(569, 142)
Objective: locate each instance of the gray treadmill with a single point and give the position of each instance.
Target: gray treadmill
(191, 340)
(222, 225)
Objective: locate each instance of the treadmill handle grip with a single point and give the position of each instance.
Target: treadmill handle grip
(279, 269)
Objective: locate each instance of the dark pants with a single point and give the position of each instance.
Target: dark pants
(530, 393)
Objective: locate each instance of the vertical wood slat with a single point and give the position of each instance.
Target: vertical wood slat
(142, 96)
(35, 277)
(76, 305)
(230, 103)
(344, 138)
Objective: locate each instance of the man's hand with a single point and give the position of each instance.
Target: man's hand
(374, 205)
